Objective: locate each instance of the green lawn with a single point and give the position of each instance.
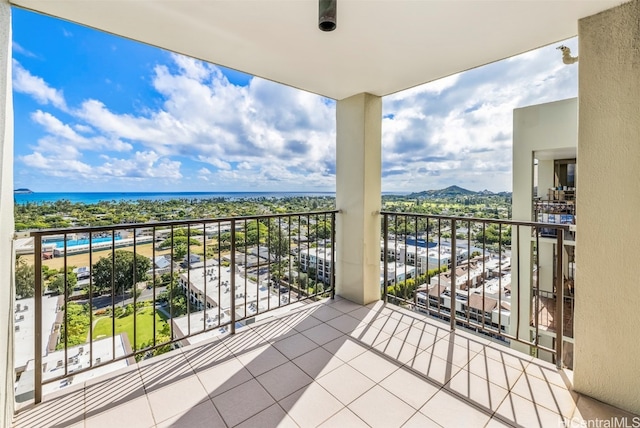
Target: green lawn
(144, 326)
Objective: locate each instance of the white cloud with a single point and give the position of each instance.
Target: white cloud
(60, 135)
(83, 128)
(266, 136)
(22, 51)
(435, 87)
(207, 119)
(25, 82)
(204, 174)
(141, 165)
(218, 163)
(461, 133)
(193, 68)
(58, 166)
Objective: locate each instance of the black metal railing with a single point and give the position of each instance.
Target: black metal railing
(555, 212)
(143, 289)
(484, 274)
(546, 315)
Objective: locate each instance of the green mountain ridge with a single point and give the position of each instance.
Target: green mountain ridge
(453, 191)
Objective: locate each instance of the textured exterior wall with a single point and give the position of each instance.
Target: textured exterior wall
(607, 349)
(550, 126)
(6, 216)
(546, 167)
(547, 126)
(358, 188)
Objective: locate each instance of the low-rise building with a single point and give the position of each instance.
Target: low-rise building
(396, 273)
(75, 359)
(319, 259)
(210, 285)
(480, 293)
(424, 258)
(24, 328)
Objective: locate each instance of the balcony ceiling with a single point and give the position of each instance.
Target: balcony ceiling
(379, 47)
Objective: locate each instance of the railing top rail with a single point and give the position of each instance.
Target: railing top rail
(168, 223)
(480, 220)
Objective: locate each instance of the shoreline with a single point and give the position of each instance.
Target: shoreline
(89, 198)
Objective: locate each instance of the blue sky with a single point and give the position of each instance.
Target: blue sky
(94, 112)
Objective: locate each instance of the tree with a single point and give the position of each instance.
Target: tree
(256, 232)
(493, 235)
(278, 241)
(279, 269)
(180, 251)
(57, 283)
(322, 230)
(123, 272)
(163, 336)
(178, 240)
(78, 325)
(48, 273)
(403, 289)
(176, 298)
(25, 279)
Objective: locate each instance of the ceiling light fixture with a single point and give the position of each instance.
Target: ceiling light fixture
(327, 15)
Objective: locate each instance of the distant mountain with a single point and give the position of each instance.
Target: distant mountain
(454, 191)
(22, 191)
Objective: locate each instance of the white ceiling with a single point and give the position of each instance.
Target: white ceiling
(552, 154)
(379, 46)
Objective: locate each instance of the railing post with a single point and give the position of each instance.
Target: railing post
(517, 280)
(232, 295)
(37, 257)
(559, 297)
(453, 274)
(385, 268)
(333, 255)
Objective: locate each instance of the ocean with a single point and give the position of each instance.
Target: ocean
(95, 197)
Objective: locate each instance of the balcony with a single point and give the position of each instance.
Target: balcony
(273, 345)
(607, 368)
(329, 363)
(558, 212)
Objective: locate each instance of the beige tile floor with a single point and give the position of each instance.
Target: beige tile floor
(329, 364)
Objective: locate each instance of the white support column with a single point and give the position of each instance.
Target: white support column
(546, 175)
(7, 223)
(547, 128)
(358, 196)
(607, 312)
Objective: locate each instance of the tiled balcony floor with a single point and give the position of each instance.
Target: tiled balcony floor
(329, 364)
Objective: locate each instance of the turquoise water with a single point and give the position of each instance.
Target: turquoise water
(71, 242)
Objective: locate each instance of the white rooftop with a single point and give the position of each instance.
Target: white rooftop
(218, 289)
(25, 321)
(78, 357)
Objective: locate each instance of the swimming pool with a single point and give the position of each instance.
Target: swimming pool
(73, 242)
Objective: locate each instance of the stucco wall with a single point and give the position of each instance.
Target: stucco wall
(547, 126)
(546, 171)
(358, 187)
(607, 349)
(6, 216)
(550, 126)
